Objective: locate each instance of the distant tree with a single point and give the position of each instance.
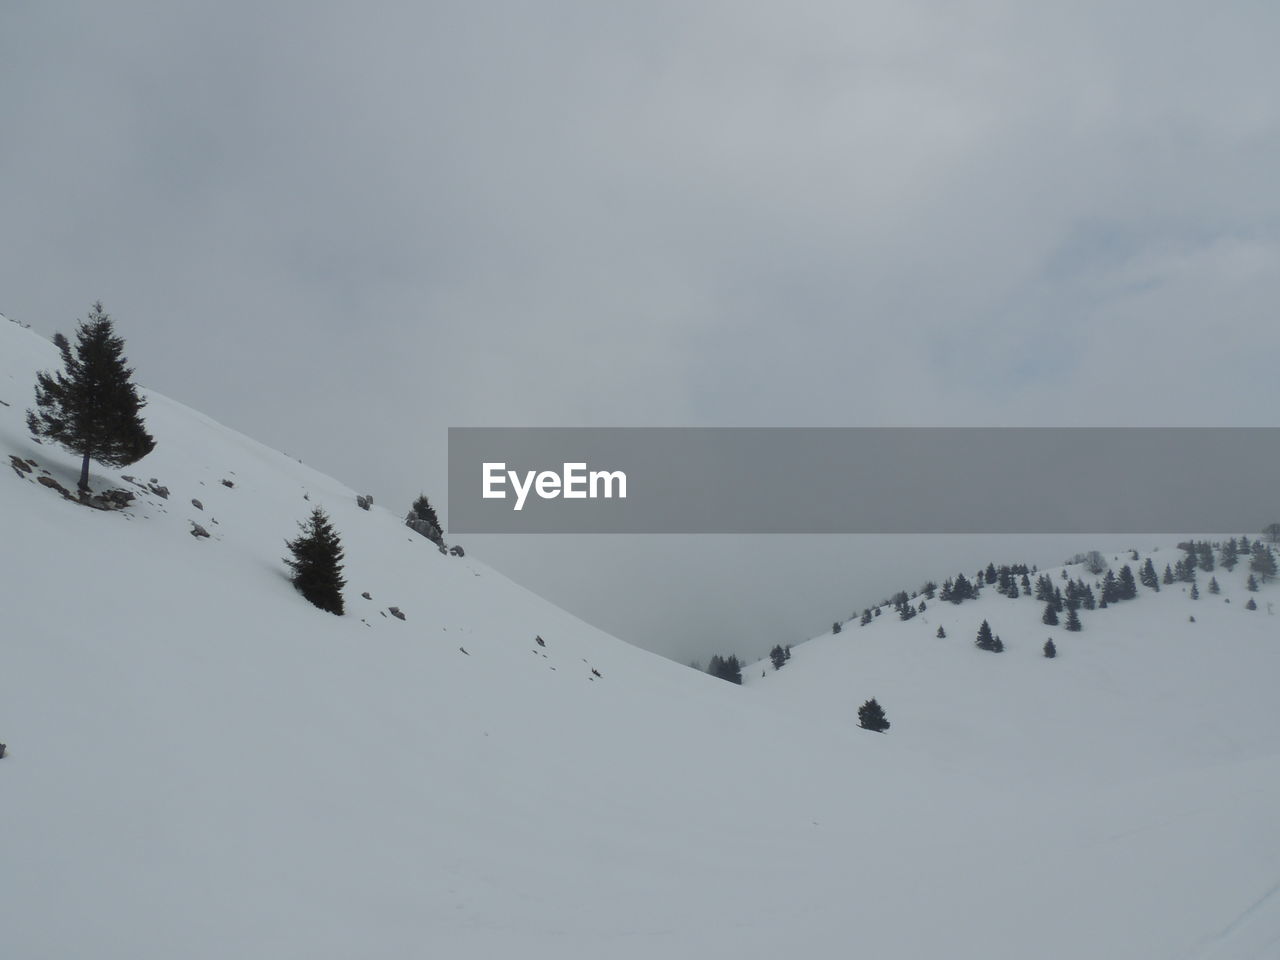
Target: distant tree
(726, 668)
(866, 617)
(1230, 555)
(835, 627)
(1272, 532)
(1148, 576)
(1073, 622)
(1168, 575)
(990, 573)
(1204, 556)
(985, 640)
(871, 717)
(1213, 586)
(1128, 589)
(906, 612)
(997, 645)
(778, 656)
(787, 651)
(1263, 561)
(1251, 605)
(92, 406)
(1251, 584)
(1195, 592)
(1050, 615)
(317, 563)
(941, 633)
(1095, 562)
(1050, 650)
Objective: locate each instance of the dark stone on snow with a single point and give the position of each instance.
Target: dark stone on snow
(198, 531)
(395, 612)
(197, 504)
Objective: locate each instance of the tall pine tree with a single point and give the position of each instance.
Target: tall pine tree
(92, 406)
(871, 717)
(317, 563)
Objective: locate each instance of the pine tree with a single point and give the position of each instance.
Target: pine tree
(1148, 577)
(997, 645)
(1213, 586)
(941, 634)
(778, 656)
(1073, 622)
(726, 668)
(91, 406)
(1251, 605)
(1195, 592)
(985, 640)
(1168, 575)
(1230, 556)
(835, 627)
(866, 617)
(1263, 561)
(1050, 650)
(1128, 588)
(317, 563)
(871, 717)
(1050, 616)
(1251, 584)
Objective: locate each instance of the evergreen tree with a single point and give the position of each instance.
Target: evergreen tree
(835, 627)
(92, 406)
(1251, 584)
(997, 645)
(1263, 561)
(1168, 575)
(991, 573)
(941, 633)
(317, 563)
(871, 717)
(1073, 622)
(1088, 600)
(1050, 650)
(1251, 605)
(726, 668)
(985, 640)
(1195, 592)
(1213, 586)
(1147, 575)
(1204, 556)
(1050, 616)
(1230, 556)
(1128, 589)
(778, 656)
(866, 617)
(1272, 532)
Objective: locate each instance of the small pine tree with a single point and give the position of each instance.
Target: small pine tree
(1050, 650)
(92, 406)
(985, 640)
(726, 668)
(835, 627)
(871, 717)
(1213, 586)
(1195, 592)
(1073, 622)
(1168, 575)
(1263, 561)
(1050, 616)
(997, 645)
(317, 563)
(1251, 605)
(778, 656)
(1251, 584)
(941, 634)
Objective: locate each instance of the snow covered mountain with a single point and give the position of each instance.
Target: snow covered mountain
(201, 764)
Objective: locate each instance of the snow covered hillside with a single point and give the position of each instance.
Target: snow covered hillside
(202, 765)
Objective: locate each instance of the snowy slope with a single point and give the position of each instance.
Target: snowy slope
(203, 765)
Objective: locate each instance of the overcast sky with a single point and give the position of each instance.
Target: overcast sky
(344, 227)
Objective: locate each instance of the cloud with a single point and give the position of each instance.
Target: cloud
(343, 228)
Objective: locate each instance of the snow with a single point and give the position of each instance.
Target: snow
(203, 765)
